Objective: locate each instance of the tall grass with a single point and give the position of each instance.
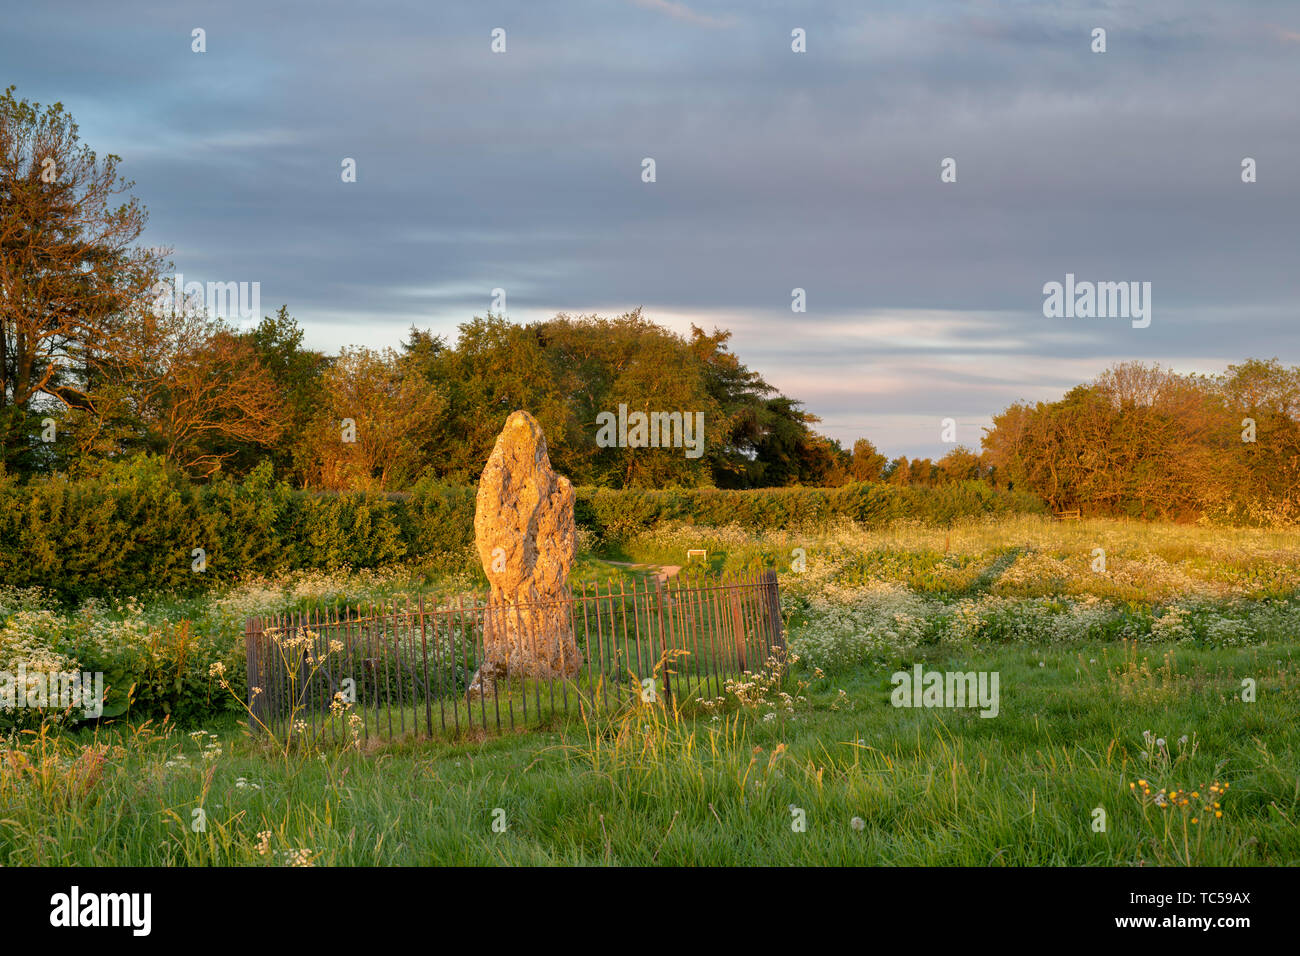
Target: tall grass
(651, 786)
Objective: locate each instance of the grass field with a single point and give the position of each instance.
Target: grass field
(929, 786)
(1147, 715)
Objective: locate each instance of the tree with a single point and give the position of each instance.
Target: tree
(754, 431)
(1257, 384)
(631, 361)
(569, 370)
(181, 384)
(496, 368)
(1262, 401)
(368, 433)
(213, 396)
(898, 471)
(70, 275)
(921, 472)
(959, 464)
(827, 464)
(1004, 445)
(297, 376)
(868, 463)
(1140, 440)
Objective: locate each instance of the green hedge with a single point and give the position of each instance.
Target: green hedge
(616, 514)
(134, 530)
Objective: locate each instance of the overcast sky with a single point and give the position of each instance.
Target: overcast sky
(774, 170)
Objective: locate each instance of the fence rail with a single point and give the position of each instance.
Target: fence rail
(407, 668)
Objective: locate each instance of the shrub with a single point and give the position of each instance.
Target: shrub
(136, 528)
(617, 515)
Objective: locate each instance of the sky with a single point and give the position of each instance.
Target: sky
(774, 170)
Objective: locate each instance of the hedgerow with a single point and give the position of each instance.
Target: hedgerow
(140, 528)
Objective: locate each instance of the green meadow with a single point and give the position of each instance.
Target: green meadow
(1146, 716)
(844, 779)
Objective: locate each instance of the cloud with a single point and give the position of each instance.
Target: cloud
(775, 170)
(680, 11)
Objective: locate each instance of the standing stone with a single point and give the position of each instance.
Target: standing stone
(524, 532)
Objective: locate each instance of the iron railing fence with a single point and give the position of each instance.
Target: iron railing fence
(406, 668)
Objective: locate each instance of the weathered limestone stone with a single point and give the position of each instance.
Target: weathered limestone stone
(524, 532)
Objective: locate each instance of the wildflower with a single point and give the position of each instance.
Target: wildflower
(858, 823)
